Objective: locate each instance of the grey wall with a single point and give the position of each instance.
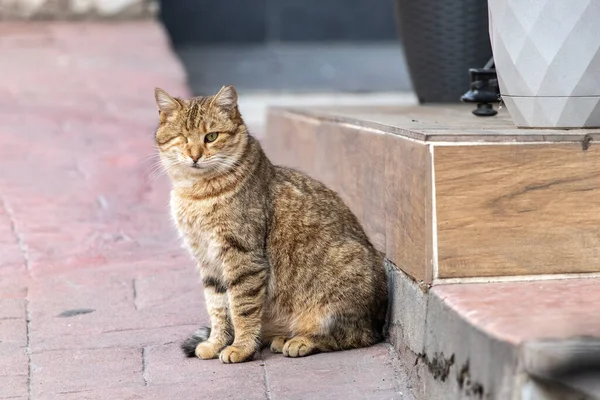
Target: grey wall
(192, 22)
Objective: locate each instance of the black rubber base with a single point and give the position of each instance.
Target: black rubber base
(485, 110)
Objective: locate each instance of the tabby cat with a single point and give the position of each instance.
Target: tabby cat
(282, 259)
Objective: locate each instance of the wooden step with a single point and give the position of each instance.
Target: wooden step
(447, 195)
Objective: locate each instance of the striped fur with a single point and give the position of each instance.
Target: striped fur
(282, 258)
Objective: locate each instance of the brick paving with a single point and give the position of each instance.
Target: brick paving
(95, 290)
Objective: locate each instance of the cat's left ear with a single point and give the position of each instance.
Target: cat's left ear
(165, 102)
(226, 98)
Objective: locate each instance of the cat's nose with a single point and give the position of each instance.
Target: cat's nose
(195, 158)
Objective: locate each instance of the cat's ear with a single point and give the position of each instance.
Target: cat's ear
(165, 102)
(226, 98)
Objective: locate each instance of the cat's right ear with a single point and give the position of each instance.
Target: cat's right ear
(165, 102)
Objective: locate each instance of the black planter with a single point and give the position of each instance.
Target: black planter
(442, 39)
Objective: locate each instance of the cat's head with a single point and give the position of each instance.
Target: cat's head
(202, 136)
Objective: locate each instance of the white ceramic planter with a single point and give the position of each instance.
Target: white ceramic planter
(547, 56)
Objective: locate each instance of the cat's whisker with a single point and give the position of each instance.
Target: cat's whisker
(156, 164)
(155, 167)
(151, 174)
(232, 163)
(159, 169)
(153, 178)
(150, 161)
(224, 167)
(151, 156)
(157, 175)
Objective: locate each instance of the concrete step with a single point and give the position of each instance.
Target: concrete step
(498, 340)
(572, 363)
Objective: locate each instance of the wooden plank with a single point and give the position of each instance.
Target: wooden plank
(351, 161)
(290, 140)
(346, 159)
(408, 207)
(517, 210)
(444, 123)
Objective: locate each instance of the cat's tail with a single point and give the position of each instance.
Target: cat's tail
(189, 345)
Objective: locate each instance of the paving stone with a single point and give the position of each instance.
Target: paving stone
(357, 374)
(113, 318)
(13, 283)
(115, 338)
(194, 389)
(171, 290)
(49, 297)
(13, 331)
(166, 365)
(11, 252)
(13, 360)
(76, 370)
(105, 327)
(13, 386)
(12, 308)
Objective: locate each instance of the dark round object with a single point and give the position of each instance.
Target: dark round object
(484, 110)
(483, 91)
(442, 40)
(484, 87)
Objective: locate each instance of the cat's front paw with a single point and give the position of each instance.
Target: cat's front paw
(236, 354)
(208, 350)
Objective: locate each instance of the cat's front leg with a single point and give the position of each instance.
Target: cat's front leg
(221, 333)
(246, 273)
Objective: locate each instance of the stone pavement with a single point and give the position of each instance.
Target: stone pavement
(95, 291)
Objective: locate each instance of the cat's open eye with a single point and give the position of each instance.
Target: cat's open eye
(211, 137)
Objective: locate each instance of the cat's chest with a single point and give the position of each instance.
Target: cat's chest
(198, 233)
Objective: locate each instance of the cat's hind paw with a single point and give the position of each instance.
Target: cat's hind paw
(277, 344)
(299, 347)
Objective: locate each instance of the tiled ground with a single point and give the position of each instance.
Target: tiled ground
(95, 292)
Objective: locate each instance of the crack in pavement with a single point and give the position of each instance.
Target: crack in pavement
(266, 377)
(15, 231)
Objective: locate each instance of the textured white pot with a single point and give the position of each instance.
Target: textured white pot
(547, 56)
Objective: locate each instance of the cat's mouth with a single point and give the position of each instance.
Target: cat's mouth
(197, 164)
(199, 168)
